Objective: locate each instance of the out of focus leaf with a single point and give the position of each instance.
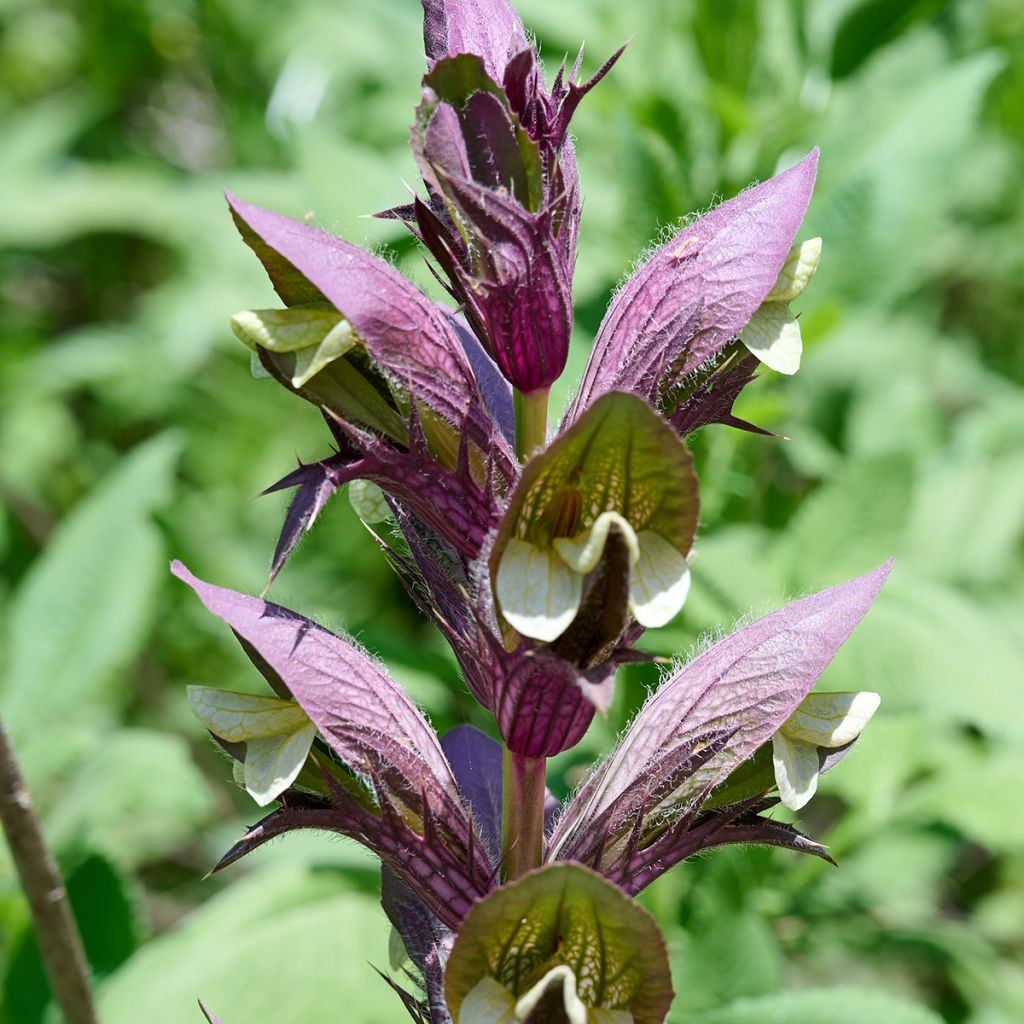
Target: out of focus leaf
(104, 908)
(83, 611)
(139, 796)
(291, 943)
(835, 1005)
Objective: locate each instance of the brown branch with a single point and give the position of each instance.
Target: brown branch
(56, 931)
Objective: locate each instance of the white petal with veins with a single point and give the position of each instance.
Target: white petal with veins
(796, 770)
(276, 733)
(538, 593)
(773, 335)
(273, 762)
(801, 263)
(832, 719)
(488, 1002)
(658, 582)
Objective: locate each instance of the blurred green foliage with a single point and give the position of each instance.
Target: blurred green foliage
(130, 430)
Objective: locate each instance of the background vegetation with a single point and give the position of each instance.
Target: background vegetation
(130, 431)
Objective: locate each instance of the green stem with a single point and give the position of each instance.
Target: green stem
(531, 421)
(522, 814)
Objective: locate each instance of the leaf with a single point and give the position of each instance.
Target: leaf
(835, 1005)
(103, 904)
(491, 29)
(139, 796)
(859, 516)
(476, 762)
(355, 705)
(407, 334)
(703, 722)
(695, 293)
(289, 943)
(408, 809)
(566, 917)
(81, 614)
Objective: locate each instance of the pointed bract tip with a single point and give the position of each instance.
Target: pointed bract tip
(179, 569)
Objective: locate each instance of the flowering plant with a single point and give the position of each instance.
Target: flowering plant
(541, 555)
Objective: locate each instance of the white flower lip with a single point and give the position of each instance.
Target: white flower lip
(823, 720)
(773, 332)
(276, 733)
(315, 334)
(540, 590)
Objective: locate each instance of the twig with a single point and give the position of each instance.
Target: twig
(56, 932)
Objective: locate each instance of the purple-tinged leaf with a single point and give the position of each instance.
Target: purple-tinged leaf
(212, 1018)
(413, 1006)
(489, 28)
(407, 335)
(475, 760)
(356, 706)
(494, 388)
(713, 398)
(741, 824)
(420, 826)
(427, 943)
(743, 688)
(450, 502)
(522, 294)
(316, 485)
(722, 266)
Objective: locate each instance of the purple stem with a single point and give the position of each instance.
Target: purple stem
(56, 933)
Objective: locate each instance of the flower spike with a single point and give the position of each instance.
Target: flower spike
(620, 472)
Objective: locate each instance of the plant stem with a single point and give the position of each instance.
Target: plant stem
(56, 932)
(522, 814)
(531, 421)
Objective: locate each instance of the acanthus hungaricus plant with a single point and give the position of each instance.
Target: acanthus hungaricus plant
(540, 555)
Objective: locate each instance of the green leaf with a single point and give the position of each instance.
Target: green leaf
(289, 943)
(81, 614)
(834, 1005)
(139, 796)
(562, 916)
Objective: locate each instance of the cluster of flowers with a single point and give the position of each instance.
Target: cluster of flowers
(540, 557)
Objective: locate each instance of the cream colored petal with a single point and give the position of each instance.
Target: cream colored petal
(796, 770)
(658, 582)
(368, 501)
(773, 335)
(801, 263)
(575, 1010)
(273, 762)
(316, 333)
(538, 593)
(240, 717)
(582, 552)
(488, 1002)
(832, 719)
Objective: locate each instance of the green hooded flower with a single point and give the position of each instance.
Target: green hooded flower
(773, 332)
(616, 491)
